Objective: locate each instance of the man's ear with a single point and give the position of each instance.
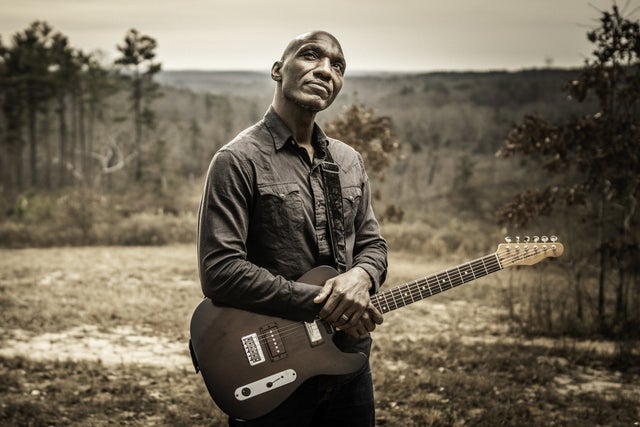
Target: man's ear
(276, 71)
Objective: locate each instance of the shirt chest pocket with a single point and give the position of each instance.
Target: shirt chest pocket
(351, 202)
(280, 208)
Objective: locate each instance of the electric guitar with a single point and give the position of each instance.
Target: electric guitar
(251, 362)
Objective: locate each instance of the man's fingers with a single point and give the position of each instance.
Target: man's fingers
(324, 292)
(348, 318)
(376, 316)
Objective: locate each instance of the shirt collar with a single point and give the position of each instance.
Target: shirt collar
(282, 135)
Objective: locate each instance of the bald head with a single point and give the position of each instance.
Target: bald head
(298, 41)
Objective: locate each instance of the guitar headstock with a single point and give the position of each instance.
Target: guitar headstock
(528, 251)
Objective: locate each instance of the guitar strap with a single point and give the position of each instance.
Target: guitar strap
(335, 218)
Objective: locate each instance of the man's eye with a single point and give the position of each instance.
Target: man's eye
(310, 54)
(338, 66)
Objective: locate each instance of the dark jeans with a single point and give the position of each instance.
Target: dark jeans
(323, 401)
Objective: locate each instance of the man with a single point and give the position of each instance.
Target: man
(263, 223)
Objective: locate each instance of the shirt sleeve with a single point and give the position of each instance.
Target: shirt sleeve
(226, 276)
(370, 248)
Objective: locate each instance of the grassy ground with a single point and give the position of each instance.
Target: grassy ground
(97, 336)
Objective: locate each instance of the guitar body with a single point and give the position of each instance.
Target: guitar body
(251, 362)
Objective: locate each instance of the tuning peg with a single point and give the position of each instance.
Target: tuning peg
(507, 239)
(527, 239)
(544, 239)
(517, 239)
(553, 239)
(536, 239)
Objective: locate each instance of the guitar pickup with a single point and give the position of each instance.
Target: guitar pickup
(271, 335)
(313, 332)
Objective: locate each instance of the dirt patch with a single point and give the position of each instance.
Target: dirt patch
(120, 345)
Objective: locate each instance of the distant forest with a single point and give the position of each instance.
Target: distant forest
(70, 121)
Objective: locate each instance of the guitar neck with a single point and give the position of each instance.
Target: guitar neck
(425, 287)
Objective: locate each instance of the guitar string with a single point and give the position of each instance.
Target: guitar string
(496, 262)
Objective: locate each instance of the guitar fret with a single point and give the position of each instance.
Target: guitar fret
(478, 268)
(432, 286)
(417, 288)
(402, 297)
(438, 282)
(409, 293)
(424, 285)
(453, 279)
(460, 275)
(397, 297)
(484, 265)
(498, 263)
(472, 273)
(498, 267)
(449, 278)
(386, 303)
(415, 291)
(393, 297)
(443, 281)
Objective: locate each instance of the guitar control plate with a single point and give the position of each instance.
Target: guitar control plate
(265, 384)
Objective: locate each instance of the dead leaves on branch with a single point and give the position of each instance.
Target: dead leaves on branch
(369, 134)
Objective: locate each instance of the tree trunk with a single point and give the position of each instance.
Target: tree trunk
(84, 155)
(62, 128)
(621, 316)
(48, 153)
(18, 161)
(137, 100)
(578, 289)
(33, 153)
(602, 262)
(73, 151)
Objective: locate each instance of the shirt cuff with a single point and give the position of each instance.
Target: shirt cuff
(301, 305)
(374, 275)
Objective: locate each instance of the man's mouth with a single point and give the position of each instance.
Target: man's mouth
(320, 87)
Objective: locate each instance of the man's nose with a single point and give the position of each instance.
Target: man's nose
(323, 68)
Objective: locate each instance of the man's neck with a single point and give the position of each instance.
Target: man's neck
(299, 121)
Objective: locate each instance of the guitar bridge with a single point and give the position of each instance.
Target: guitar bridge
(253, 350)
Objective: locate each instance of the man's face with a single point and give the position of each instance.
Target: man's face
(312, 71)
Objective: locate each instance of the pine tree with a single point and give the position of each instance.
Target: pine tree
(138, 54)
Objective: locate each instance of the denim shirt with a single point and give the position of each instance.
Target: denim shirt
(262, 221)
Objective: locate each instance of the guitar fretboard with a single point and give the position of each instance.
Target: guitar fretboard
(425, 287)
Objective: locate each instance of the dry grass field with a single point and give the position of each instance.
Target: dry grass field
(98, 336)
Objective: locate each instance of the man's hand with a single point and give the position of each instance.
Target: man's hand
(347, 305)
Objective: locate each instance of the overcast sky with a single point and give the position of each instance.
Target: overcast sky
(387, 35)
